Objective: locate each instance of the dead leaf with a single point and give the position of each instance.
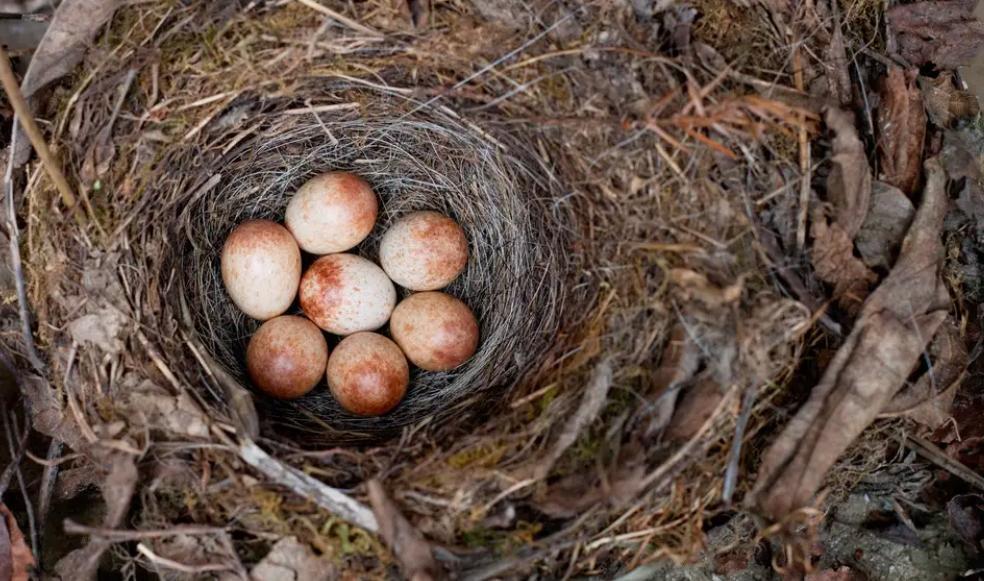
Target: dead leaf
(929, 399)
(901, 129)
(896, 322)
(16, 559)
(946, 103)
(289, 559)
(153, 407)
(117, 491)
(966, 514)
(849, 182)
(573, 494)
(679, 362)
(406, 543)
(592, 402)
(881, 235)
(944, 33)
(839, 574)
(696, 407)
(72, 28)
(834, 262)
(101, 329)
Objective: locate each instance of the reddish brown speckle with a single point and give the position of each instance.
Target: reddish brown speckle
(320, 290)
(368, 374)
(286, 357)
(436, 331)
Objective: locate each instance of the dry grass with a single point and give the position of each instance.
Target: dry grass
(585, 169)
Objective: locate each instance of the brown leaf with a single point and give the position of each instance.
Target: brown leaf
(834, 262)
(881, 235)
(929, 399)
(16, 559)
(896, 322)
(944, 33)
(839, 574)
(849, 182)
(901, 129)
(574, 494)
(946, 103)
(695, 407)
(72, 28)
(679, 362)
(694, 285)
(407, 544)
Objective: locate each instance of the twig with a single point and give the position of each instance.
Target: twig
(118, 535)
(931, 452)
(324, 496)
(47, 488)
(804, 158)
(340, 18)
(17, 453)
(23, 113)
(734, 456)
(169, 564)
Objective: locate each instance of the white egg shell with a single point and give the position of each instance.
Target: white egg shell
(261, 268)
(424, 251)
(332, 212)
(345, 294)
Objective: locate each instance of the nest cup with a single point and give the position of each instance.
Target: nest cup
(416, 157)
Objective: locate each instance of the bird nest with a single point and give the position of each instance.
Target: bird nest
(416, 157)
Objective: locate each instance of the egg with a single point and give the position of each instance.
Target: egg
(436, 331)
(368, 374)
(261, 268)
(424, 251)
(345, 294)
(286, 356)
(332, 212)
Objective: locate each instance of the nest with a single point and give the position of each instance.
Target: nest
(416, 157)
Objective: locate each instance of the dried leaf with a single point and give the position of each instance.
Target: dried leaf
(678, 364)
(101, 328)
(881, 235)
(153, 407)
(839, 574)
(834, 262)
(16, 559)
(929, 399)
(944, 33)
(289, 559)
(901, 130)
(896, 322)
(696, 406)
(592, 402)
(849, 182)
(574, 494)
(946, 103)
(407, 544)
(72, 28)
(966, 514)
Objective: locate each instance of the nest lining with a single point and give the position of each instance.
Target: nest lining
(415, 157)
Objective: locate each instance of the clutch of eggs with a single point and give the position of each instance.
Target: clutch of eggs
(348, 295)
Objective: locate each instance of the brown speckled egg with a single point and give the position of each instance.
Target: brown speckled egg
(424, 251)
(261, 267)
(332, 212)
(286, 356)
(368, 374)
(345, 294)
(436, 331)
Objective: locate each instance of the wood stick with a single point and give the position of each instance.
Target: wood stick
(23, 115)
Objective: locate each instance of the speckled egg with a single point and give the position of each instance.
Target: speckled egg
(332, 212)
(286, 357)
(368, 374)
(345, 294)
(436, 331)
(261, 267)
(424, 251)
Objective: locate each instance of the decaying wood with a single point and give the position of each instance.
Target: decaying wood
(894, 327)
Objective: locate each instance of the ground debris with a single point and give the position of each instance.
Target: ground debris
(681, 357)
(966, 514)
(901, 130)
(881, 235)
(894, 326)
(945, 102)
(407, 544)
(944, 33)
(289, 559)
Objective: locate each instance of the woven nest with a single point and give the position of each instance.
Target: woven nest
(415, 157)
